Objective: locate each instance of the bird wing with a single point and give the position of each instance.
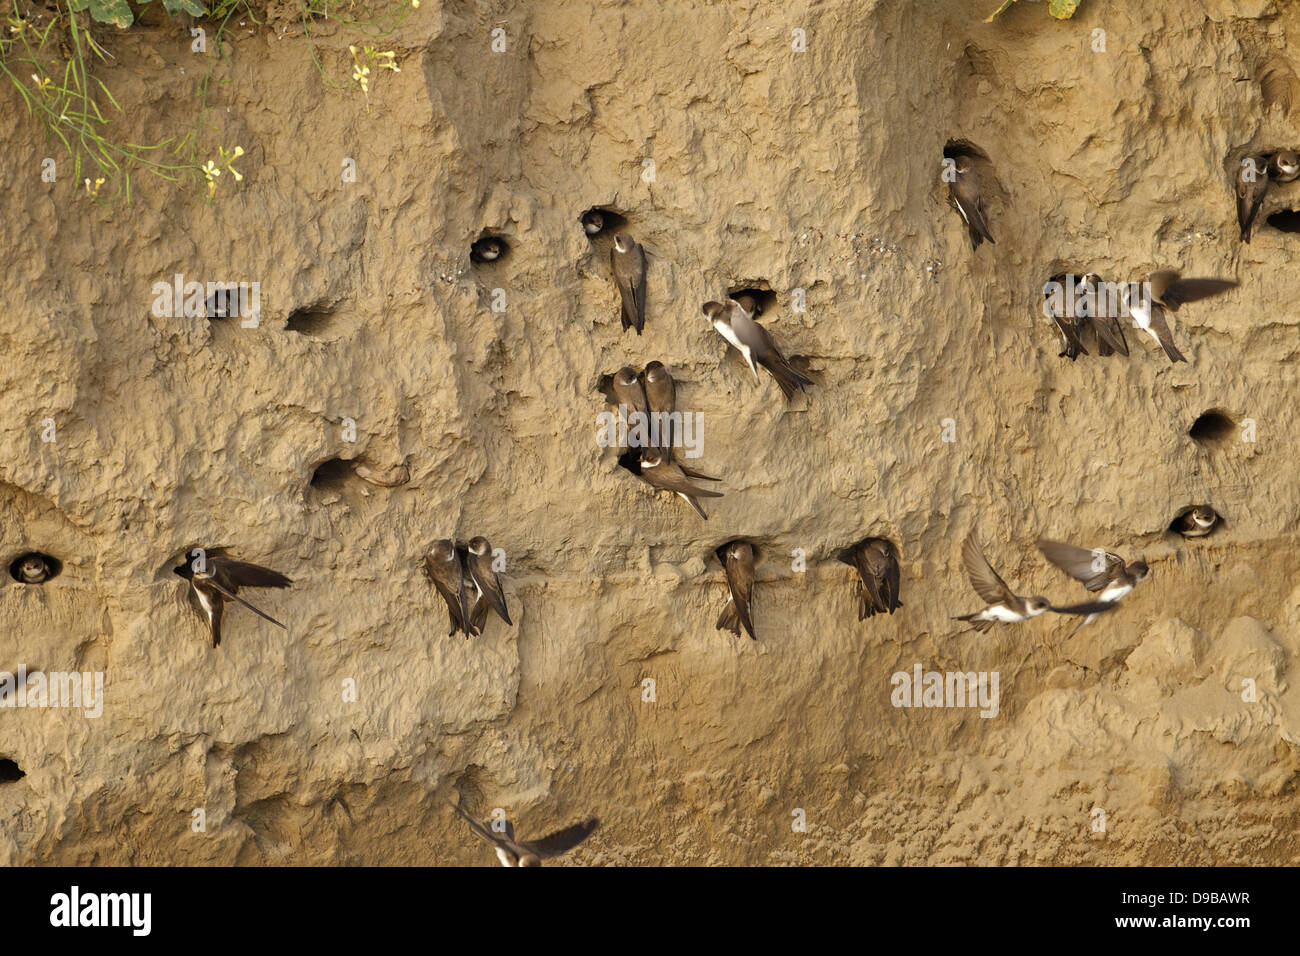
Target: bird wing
(669, 478)
(983, 578)
(869, 571)
(455, 598)
(562, 841)
(474, 825)
(235, 597)
(1096, 607)
(1159, 327)
(247, 575)
(1190, 290)
(488, 584)
(1111, 332)
(891, 577)
(1080, 563)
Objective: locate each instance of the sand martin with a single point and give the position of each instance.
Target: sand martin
(478, 561)
(964, 195)
(218, 578)
(1004, 605)
(628, 391)
(592, 222)
(664, 474)
(737, 559)
(512, 853)
(1252, 186)
(1103, 573)
(443, 564)
(749, 303)
(1058, 304)
(1103, 314)
(661, 396)
(1284, 166)
(32, 569)
(1197, 523)
(876, 561)
(755, 345)
(487, 249)
(627, 259)
(1169, 291)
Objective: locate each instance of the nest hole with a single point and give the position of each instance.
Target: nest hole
(601, 221)
(488, 248)
(1285, 220)
(33, 567)
(10, 772)
(313, 320)
(330, 474)
(1213, 427)
(963, 147)
(756, 291)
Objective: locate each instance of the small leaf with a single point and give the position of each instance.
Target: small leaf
(194, 8)
(1063, 9)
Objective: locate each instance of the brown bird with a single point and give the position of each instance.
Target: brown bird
(627, 259)
(1058, 305)
(443, 564)
(964, 194)
(215, 578)
(664, 474)
(661, 395)
(1102, 308)
(755, 345)
(627, 389)
(512, 853)
(1252, 186)
(1197, 522)
(737, 559)
(1168, 290)
(478, 561)
(1284, 166)
(876, 561)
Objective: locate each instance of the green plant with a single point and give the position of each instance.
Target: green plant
(1061, 9)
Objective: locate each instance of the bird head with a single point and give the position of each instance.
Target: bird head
(622, 242)
(1140, 569)
(479, 546)
(592, 222)
(1038, 604)
(443, 551)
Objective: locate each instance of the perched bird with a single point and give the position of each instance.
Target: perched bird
(592, 222)
(1004, 605)
(512, 853)
(487, 249)
(443, 564)
(1059, 305)
(755, 345)
(1198, 522)
(33, 569)
(628, 391)
(1284, 166)
(876, 561)
(1101, 307)
(478, 561)
(1100, 571)
(1252, 187)
(664, 474)
(749, 303)
(964, 195)
(1169, 291)
(627, 259)
(661, 396)
(215, 578)
(737, 559)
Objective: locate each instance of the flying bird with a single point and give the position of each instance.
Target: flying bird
(1252, 187)
(737, 559)
(665, 474)
(876, 561)
(443, 564)
(627, 259)
(1198, 522)
(964, 195)
(1168, 290)
(755, 345)
(478, 561)
(1004, 606)
(1100, 571)
(512, 853)
(218, 578)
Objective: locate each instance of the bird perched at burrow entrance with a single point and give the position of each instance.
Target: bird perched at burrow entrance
(876, 561)
(215, 578)
(755, 345)
(737, 558)
(1167, 290)
(965, 196)
(627, 261)
(444, 564)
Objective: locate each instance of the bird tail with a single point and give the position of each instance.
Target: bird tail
(789, 378)
(699, 475)
(696, 505)
(1172, 352)
(729, 619)
(971, 619)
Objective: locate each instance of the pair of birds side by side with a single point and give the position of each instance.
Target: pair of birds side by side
(512, 852)
(1100, 571)
(453, 570)
(654, 393)
(1254, 176)
(216, 578)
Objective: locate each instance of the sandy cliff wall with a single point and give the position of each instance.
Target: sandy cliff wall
(816, 171)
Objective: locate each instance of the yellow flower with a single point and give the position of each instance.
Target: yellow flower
(416, 4)
(42, 84)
